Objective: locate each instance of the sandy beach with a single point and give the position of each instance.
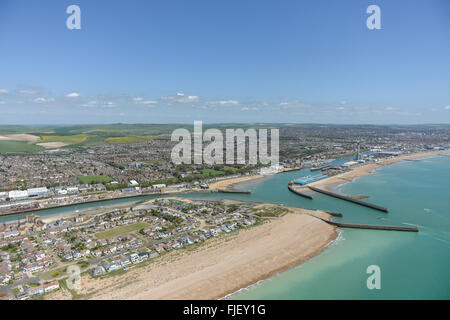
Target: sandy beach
(220, 266)
(367, 170)
(228, 183)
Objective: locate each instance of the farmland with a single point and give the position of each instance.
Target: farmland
(11, 146)
(71, 139)
(129, 139)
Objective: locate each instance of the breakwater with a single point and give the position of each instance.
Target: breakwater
(233, 191)
(371, 226)
(350, 199)
(299, 193)
(335, 214)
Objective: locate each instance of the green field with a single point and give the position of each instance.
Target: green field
(95, 179)
(120, 230)
(129, 139)
(10, 146)
(77, 138)
(270, 211)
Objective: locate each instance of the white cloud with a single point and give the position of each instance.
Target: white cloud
(3, 91)
(140, 100)
(181, 98)
(43, 100)
(73, 95)
(108, 104)
(223, 103)
(293, 104)
(249, 109)
(90, 104)
(189, 99)
(147, 102)
(447, 108)
(340, 108)
(343, 102)
(28, 91)
(93, 104)
(2, 102)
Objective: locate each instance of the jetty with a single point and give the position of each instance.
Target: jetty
(371, 226)
(350, 199)
(234, 191)
(299, 193)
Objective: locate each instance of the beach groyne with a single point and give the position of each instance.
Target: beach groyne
(299, 193)
(350, 199)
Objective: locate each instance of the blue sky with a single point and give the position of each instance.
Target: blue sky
(178, 61)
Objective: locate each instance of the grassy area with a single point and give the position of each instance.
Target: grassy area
(77, 138)
(270, 211)
(129, 139)
(52, 274)
(75, 295)
(83, 264)
(104, 131)
(120, 230)
(207, 173)
(10, 146)
(95, 179)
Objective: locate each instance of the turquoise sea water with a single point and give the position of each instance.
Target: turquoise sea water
(413, 265)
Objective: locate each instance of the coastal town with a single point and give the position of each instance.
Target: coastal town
(35, 254)
(71, 173)
(36, 251)
(223, 159)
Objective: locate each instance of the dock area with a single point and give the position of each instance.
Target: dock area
(308, 179)
(350, 199)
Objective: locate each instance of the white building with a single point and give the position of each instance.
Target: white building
(133, 183)
(18, 195)
(350, 164)
(37, 192)
(3, 196)
(72, 190)
(271, 170)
